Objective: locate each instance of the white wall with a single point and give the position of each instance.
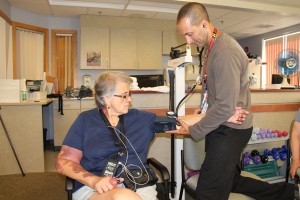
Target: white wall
(22, 16)
(255, 43)
(5, 7)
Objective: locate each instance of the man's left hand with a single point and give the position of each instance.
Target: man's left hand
(239, 116)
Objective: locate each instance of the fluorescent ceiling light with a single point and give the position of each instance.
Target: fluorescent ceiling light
(153, 7)
(86, 4)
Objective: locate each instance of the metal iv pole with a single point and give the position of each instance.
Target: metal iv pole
(178, 63)
(172, 108)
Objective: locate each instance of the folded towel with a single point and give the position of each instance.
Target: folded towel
(134, 85)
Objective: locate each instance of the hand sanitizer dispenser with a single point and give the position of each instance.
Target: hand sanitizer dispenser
(24, 91)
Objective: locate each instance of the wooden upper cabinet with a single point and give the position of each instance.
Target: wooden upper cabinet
(173, 39)
(94, 40)
(135, 49)
(122, 48)
(149, 49)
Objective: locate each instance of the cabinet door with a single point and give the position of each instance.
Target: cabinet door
(149, 49)
(62, 123)
(87, 104)
(173, 39)
(94, 41)
(123, 49)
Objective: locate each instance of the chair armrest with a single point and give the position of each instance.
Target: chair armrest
(165, 175)
(298, 172)
(297, 175)
(69, 184)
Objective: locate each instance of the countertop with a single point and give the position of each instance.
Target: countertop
(27, 103)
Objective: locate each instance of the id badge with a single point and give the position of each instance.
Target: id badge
(204, 104)
(204, 108)
(111, 167)
(112, 164)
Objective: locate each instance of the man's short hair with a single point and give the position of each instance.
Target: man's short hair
(195, 12)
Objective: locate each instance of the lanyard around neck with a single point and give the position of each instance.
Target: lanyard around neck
(113, 131)
(212, 41)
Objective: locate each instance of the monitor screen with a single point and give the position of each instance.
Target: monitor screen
(277, 79)
(149, 80)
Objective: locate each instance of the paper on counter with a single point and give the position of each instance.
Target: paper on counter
(164, 89)
(9, 90)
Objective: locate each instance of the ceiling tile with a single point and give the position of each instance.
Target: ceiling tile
(60, 11)
(138, 14)
(104, 11)
(166, 16)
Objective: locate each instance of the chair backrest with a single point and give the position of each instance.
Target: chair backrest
(194, 153)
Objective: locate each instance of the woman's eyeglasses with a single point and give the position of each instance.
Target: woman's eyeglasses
(124, 96)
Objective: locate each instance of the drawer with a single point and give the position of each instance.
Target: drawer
(88, 104)
(68, 104)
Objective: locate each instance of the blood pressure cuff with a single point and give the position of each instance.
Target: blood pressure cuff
(164, 123)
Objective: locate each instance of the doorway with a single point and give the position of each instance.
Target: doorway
(64, 58)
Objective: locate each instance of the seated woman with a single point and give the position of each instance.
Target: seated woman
(110, 132)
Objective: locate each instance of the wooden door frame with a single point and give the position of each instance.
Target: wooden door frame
(54, 32)
(16, 25)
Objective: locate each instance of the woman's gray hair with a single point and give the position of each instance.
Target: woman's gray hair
(105, 85)
(195, 12)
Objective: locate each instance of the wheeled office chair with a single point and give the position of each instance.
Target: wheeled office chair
(163, 172)
(192, 157)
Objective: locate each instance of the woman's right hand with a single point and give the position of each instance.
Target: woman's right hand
(106, 183)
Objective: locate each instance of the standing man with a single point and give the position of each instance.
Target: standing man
(226, 87)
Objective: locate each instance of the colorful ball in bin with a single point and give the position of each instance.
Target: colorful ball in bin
(275, 155)
(284, 148)
(256, 130)
(285, 133)
(258, 136)
(253, 137)
(274, 150)
(264, 159)
(269, 130)
(254, 153)
(256, 159)
(283, 156)
(246, 161)
(246, 154)
(267, 152)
